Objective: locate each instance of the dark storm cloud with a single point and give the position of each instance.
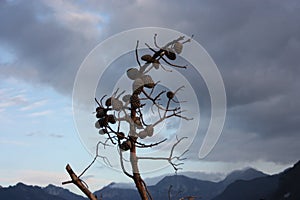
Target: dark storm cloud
(251, 147)
(47, 48)
(255, 44)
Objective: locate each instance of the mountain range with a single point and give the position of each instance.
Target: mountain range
(244, 184)
(181, 186)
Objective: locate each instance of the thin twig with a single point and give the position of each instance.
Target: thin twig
(105, 159)
(136, 54)
(171, 157)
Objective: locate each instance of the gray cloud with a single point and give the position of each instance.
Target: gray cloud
(251, 147)
(47, 49)
(255, 44)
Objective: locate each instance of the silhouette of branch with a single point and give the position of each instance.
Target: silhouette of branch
(105, 159)
(148, 193)
(141, 145)
(122, 164)
(79, 183)
(136, 54)
(171, 158)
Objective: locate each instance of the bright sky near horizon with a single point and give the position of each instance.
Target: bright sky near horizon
(255, 45)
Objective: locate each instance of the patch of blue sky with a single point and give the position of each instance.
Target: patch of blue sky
(36, 125)
(6, 55)
(104, 20)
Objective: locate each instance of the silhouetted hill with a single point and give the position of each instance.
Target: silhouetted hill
(61, 192)
(247, 184)
(22, 191)
(276, 187)
(246, 174)
(259, 188)
(289, 184)
(181, 186)
(110, 192)
(214, 177)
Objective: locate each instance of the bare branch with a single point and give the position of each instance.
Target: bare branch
(155, 42)
(148, 193)
(173, 65)
(105, 159)
(171, 157)
(122, 164)
(141, 145)
(136, 54)
(78, 183)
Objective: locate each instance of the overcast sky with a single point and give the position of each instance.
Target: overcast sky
(255, 44)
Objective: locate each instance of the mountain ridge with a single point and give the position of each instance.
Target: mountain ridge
(240, 184)
(181, 184)
(284, 185)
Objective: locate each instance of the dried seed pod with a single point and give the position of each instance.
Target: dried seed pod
(97, 125)
(100, 112)
(156, 64)
(111, 119)
(103, 122)
(102, 131)
(178, 47)
(120, 135)
(147, 58)
(108, 102)
(126, 145)
(137, 86)
(170, 54)
(126, 98)
(116, 104)
(148, 81)
(133, 73)
(143, 134)
(135, 101)
(150, 130)
(170, 95)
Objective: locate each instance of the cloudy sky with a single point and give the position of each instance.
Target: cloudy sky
(255, 45)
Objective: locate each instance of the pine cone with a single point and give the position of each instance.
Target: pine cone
(148, 81)
(143, 134)
(150, 130)
(133, 73)
(116, 104)
(178, 47)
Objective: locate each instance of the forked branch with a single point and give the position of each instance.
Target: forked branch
(171, 158)
(79, 183)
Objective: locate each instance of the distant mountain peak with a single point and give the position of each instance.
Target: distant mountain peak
(175, 178)
(111, 184)
(244, 174)
(61, 192)
(284, 185)
(20, 184)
